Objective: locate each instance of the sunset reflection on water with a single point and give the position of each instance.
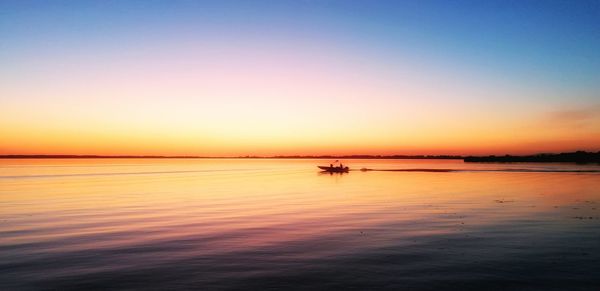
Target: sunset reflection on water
(227, 223)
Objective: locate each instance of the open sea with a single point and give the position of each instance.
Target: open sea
(260, 224)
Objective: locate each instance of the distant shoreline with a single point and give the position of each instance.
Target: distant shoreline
(571, 157)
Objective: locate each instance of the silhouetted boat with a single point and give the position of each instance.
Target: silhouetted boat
(334, 169)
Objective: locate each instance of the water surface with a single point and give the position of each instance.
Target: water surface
(280, 224)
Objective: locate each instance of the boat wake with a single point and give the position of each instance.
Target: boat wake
(483, 170)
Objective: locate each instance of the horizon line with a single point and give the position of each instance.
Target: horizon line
(355, 156)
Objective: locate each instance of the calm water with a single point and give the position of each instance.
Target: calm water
(279, 224)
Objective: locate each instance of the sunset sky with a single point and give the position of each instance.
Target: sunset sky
(229, 78)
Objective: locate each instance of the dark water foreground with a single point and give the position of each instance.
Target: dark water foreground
(278, 224)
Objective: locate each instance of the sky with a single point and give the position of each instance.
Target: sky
(236, 78)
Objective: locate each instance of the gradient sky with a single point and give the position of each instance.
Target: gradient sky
(299, 77)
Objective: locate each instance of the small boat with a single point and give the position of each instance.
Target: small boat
(334, 169)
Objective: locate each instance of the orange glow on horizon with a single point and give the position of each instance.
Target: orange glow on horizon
(281, 101)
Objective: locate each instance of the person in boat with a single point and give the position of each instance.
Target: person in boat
(331, 166)
(341, 166)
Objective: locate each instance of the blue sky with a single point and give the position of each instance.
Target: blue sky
(556, 39)
(519, 60)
